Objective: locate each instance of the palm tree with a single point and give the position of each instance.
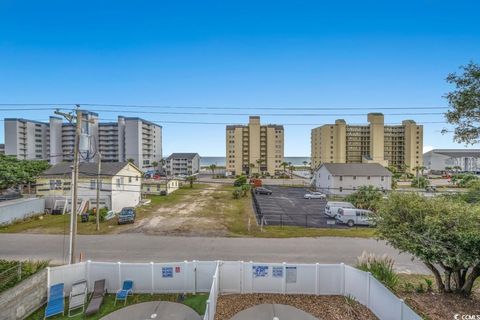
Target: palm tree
(191, 179)
(251, 166)
(291, 168)
(457, 168)
(212, 167)
(284, 165)
(305, 163)
(405, 168)
(418, 169)
(154, 164)
(259, 164)
(162, 165)
(131, 160)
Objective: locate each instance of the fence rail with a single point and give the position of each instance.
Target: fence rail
(217, 277)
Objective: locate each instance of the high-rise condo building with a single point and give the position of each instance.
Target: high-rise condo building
(254, 148)
(390, 145)
(128, 138)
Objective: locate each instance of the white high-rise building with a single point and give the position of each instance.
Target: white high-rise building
(128, 138)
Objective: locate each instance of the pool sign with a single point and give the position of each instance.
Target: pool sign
(177, 269)
(167, 272)
(277, 272)
(260, 271)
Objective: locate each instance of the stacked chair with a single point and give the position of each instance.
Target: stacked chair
(56, 302)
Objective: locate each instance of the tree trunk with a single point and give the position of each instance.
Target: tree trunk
(470, 280)
(436, 274)
(448, 278)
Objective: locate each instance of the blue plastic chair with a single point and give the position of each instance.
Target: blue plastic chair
(122, 294)
(56, 301)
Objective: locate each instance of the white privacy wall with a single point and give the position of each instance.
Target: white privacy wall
(223, 277)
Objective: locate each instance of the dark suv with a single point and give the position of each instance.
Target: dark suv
(127, 215)
(262, 190)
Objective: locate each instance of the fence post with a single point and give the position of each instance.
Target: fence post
(48, 281)
(119, 275)
(284, 282)
(402, 302)
(87, 271)
(185, 277)
(342, 276)
(153, 277)
(251, 275)
(194, 276)
(242, 278)
(369, 277)
(218, 276)
(317, 278)
(207, 309)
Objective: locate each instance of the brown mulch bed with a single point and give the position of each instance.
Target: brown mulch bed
(435, 306)
(322, 307)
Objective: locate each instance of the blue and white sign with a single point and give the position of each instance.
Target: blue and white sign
(167, 272)
(277, 272)
(260, 271)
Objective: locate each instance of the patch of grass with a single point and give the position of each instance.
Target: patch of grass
(196, 302)
(296, 232)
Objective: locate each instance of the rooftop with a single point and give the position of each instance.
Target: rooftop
(456, 152)
(86, 169)
(184, 155)
(356, 169)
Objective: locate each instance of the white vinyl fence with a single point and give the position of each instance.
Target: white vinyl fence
(223, 277)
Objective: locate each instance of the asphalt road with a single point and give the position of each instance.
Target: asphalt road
(142, 248)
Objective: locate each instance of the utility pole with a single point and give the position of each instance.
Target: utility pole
(74, 186)
(98, 189)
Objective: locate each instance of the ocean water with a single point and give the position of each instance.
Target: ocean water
(220, 161)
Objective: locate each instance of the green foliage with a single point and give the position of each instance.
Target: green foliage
(396, 175)
(443, 233)
(464, 180)
(237, 193)
(212, 167)
(14, 172)
(366, 197)
(12, 272)
(240, 181)
(473, 193)
(464, 102)
(381, 267)
(420, 182)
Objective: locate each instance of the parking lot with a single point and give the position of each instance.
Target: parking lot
(286, 206)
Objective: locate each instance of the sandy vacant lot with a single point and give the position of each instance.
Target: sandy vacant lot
(205, 210)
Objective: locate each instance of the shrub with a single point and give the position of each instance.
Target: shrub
(420, 182)
(381, 267)
(240, 181)
(366, 197)
(237, 193)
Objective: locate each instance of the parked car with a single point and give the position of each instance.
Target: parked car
(314, 195)
(127, 215)
(331, 209)
(262, 190)
(353, 217)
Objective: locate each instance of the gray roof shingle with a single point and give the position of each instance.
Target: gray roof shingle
(85, 169)
(179, 155)
(356, 169)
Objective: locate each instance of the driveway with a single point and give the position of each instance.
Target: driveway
(140, 248)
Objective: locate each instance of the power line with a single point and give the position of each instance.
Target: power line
(331, 108)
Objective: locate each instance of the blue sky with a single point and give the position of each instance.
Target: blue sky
(362, 54)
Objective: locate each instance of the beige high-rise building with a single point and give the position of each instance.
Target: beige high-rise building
(389, 145)
(254, 148)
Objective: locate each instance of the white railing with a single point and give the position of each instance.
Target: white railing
(219, 277)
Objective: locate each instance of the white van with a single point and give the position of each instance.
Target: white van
(353, 217)
(331, 209)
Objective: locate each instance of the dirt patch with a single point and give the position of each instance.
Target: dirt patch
(435, 306)
(322, 307)
(184, 218)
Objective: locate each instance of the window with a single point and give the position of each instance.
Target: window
(341, 178)
(119, 183)
(129, 179)
(354, 177)
(341, 189)
(55, 184)
(383, 178)
(136, 178)
(93, 184)
(368, 178)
